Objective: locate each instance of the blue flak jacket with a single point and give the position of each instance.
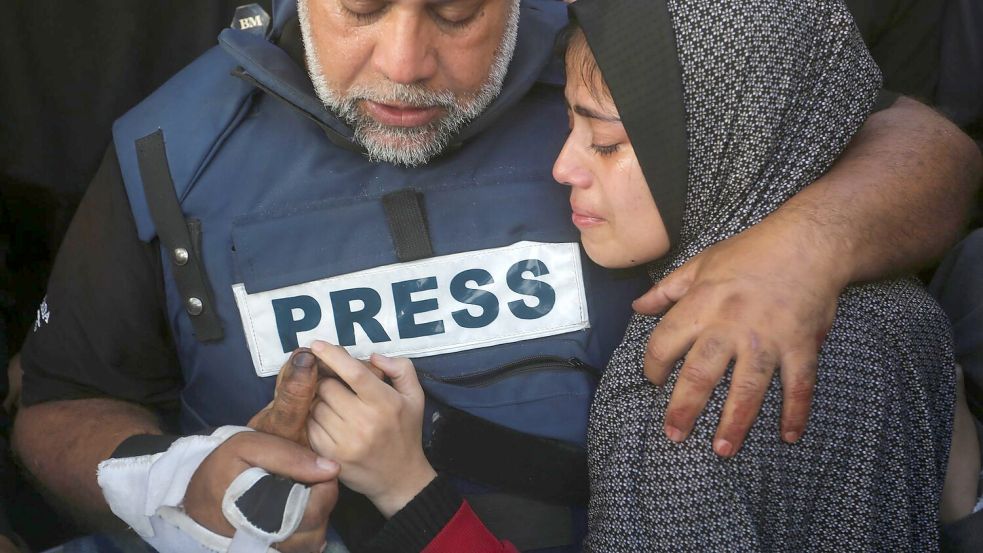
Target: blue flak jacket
(283, 201)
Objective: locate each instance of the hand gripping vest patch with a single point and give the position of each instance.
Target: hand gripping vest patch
(469, 265)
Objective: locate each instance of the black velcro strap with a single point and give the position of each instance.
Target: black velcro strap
(139, 445)
(172, 229)
(635, 48)
(407, 225)
(544, 469)
(264, 503)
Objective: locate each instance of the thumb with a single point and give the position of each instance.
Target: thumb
(666, 292)
(401, 372)
(286, 458)
(294, 393)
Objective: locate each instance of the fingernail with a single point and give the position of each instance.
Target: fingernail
(326, 464)
(318, 346)
(674, 434)
(723, 448)
(791, 437)
(303, 360)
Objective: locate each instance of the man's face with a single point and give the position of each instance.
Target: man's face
(406, 75)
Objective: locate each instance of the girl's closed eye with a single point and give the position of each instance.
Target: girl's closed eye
(605, 150)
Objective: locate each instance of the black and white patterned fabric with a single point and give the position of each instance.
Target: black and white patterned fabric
(773, 91)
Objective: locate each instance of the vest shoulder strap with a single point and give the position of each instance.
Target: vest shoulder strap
(194, 109)
(176, 237)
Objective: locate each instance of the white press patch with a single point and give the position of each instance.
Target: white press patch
(428, 307)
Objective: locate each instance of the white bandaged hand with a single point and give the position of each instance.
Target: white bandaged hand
(145, 482)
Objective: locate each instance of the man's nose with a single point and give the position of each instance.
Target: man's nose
(404, 52)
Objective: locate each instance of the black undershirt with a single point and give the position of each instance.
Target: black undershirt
(106, 334)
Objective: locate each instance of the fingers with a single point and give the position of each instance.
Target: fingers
(704, 366)
(294, 393)
(324, 371)
(401, 372)
(329, 422)
(333, 417)
(752, 375)
(319, 428)
(668, 343)
(350, 370)
(280, 456)
(667, 292)
(334, 393)
(754, 369)
(379, 373)
(276, 455)
(798, 374)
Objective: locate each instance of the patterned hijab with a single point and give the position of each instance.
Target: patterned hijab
(734, 106)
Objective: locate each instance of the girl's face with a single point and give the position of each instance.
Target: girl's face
(619, 223)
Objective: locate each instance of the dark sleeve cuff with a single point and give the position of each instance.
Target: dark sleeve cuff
(418, 523)
(139, 445)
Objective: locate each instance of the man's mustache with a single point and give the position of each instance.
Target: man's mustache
(407, 95)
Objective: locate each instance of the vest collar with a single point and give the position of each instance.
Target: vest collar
(270, 68)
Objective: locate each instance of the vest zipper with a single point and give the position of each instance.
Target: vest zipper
(526, 365)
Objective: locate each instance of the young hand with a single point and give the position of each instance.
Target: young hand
(371, 428)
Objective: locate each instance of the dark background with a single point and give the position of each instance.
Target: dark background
(67, 71)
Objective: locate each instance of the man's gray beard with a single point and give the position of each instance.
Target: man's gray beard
(409, 146)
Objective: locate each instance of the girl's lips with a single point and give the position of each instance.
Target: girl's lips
(584, 220)
(401, 116)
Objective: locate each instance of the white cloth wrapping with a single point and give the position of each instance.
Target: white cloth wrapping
(147, 492)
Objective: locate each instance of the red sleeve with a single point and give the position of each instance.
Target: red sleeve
(465, 532)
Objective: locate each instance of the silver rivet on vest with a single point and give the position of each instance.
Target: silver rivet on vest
(195, 306)
(181, 256)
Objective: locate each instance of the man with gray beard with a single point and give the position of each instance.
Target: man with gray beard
(396, 198)
(414, 137)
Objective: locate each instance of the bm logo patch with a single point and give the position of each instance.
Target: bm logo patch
(251, 18)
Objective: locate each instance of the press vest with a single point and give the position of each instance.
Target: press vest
(505, 319)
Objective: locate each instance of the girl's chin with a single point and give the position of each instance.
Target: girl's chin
(608, 255)
(612, 255)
